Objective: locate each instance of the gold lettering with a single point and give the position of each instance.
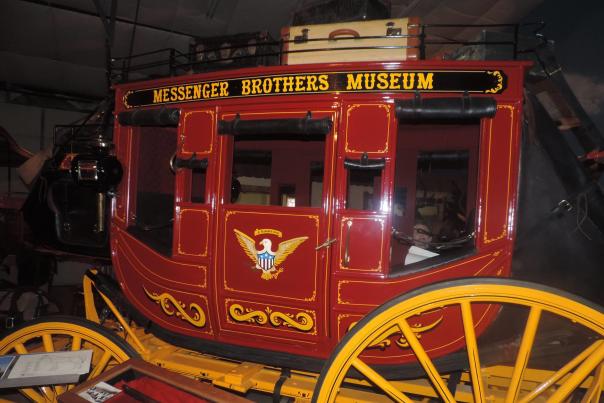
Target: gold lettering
(214, 90)
(205, 90)
(173, 94)
(256, 86)
(369, 81)
(300, 83)
(245, 87)
(408, 81)
(224, 89)
(189, 89)
(323, 82)
(267, 86)
(395, 81)
(181, 93)
(197, 91)
(288, 84)
(157, 98)
(382, 81)
(311, 83)
(166, 94)
(277, 83)
(425, 81)
(354, 81)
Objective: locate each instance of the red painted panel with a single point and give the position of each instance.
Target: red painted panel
(499, 174)
(367, 128)
(364, 238)
(197, 130)
(370, 293)
(294, 276)
(135, 256)
(170, 307)
(123, 137)
(193, 226)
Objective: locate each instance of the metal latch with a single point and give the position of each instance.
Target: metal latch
(326, 244)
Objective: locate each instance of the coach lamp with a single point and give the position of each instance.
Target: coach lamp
(103, 172)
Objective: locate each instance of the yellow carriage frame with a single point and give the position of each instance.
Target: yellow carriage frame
(492, 383)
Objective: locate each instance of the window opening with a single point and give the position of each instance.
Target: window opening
(198, 185)
(364, 189)
(278, 170)
(154, 210)
(435, 190)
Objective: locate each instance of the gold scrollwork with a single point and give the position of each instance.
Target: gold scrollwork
(499, 86)
(301, 321)
(240, 314)
(167, 302)
(125, 99)
(383, 340)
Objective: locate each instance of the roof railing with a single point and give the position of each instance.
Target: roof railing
(171, 62)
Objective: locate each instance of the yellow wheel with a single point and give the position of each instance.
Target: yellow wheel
(64, 333)
(522, 375)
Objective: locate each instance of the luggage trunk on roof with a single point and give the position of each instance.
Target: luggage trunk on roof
(388, 40)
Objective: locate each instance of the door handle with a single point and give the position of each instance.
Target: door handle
(326, 244)
(346, 260)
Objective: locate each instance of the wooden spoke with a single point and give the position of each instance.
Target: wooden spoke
(594, 393)
(49, 393)
(439, 385)
(100, 366)
(76, 343)
(47, 342)
(32, 395)
(579, 375)
(380, 382)
(20, 348)
(472, 347)
(524, 353)
(565, 370)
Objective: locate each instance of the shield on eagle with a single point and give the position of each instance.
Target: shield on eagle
(265, 260)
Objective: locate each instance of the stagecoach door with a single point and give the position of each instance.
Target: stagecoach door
(362, 219)
(271, 271)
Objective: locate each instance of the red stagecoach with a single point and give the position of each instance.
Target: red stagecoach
(280, 216)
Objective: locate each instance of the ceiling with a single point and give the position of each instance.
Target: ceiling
(57, 47)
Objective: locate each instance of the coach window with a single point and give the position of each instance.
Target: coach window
(434, 192)
(363, 188)
(278, 170)
(195, 178)
(153, 214)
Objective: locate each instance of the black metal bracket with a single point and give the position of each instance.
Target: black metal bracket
(365, 163)
(193, 163)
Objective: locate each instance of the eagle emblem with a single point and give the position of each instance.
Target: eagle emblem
(265, 259)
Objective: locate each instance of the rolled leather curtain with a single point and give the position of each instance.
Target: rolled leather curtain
(464, 107)
(150, 117)
(303, 126)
